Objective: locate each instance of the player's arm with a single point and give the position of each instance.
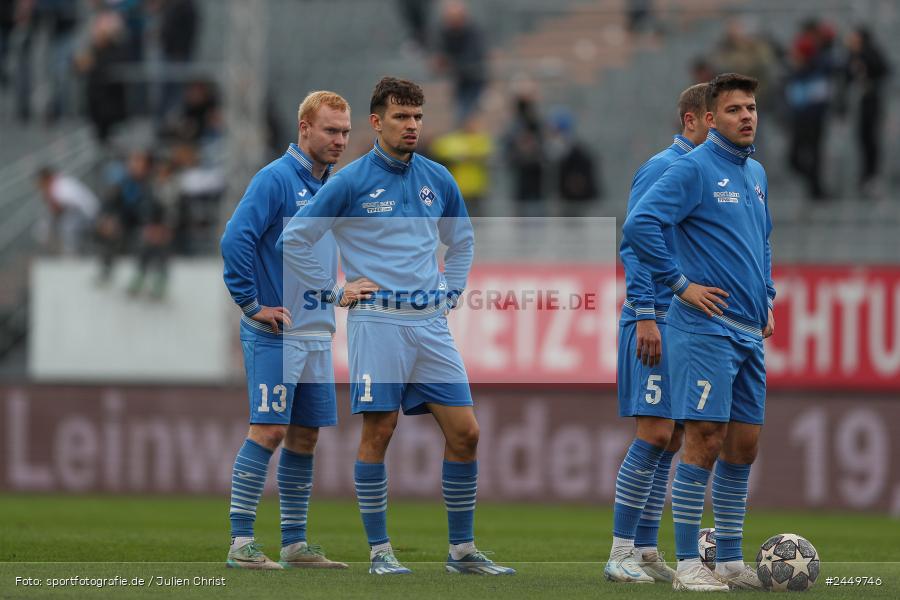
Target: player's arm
(255, 213)
(639, 288)
(455, 230)
(770, 283)
(667, 203)
(306, 227)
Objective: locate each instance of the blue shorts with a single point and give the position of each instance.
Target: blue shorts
(278, 373)
(643, 391)
(404, 366)
(716, 377)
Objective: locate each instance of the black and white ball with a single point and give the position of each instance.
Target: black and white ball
(787, 563)
(706, 545)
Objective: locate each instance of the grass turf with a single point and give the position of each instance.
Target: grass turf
(558, 550)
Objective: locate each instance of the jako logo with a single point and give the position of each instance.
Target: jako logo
(376, 193)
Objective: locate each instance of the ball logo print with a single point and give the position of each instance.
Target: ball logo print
(706, 545)
(787, 562)
(427, 196)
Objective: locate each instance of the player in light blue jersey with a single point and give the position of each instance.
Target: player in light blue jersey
(643, 382)
(716, 198)
(389, 211)
(287, 354)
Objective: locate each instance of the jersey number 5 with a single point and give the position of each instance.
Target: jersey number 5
(652, 386)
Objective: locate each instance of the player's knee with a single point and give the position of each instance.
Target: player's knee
(656, 432)
(301, 439)
(268, 436)
(379, 436)
(465, 439)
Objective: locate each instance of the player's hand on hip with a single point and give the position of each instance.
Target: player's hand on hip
(770, 326)
(649, 343)
(272, 316)
(360, 289)
(707, 299)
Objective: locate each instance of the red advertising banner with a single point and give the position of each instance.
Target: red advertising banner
(836, 327)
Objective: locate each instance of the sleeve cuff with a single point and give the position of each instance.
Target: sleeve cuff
(453, 298)
(251, 308)
(771, 303)
(334, 295)
(644, 311)
(680, 285)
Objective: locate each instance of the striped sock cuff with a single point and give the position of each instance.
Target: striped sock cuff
(729, 499)
(688, 495)
(248, 478)
(295, 479)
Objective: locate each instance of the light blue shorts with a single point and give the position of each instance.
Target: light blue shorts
(405, 366)
(288, 385)
(716, 377)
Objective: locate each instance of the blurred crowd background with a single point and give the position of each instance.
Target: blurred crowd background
(115, 113)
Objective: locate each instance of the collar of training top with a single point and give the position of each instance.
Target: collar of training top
(301, 160)
(724, 147)
(683, 143)
(388, 162)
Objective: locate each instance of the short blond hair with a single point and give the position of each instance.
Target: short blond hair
(693, 100)
(315, 100)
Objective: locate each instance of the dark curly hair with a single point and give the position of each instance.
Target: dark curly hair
(727, 82)
(400, 91)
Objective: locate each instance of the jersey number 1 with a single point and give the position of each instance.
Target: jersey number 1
(367, 389)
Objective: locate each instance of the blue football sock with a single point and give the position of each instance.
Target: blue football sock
(459, 484)
(647, 535)
(688, 494)
(295, 477)
(247, 481)
(370, 480)
(633, 485)
(729, 500)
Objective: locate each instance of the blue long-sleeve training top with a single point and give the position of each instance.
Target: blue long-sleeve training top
(644, 298)
(254, 270)
(716, 198)
(388, 217)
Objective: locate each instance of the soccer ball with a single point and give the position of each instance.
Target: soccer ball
(706, 544)
(787, 562)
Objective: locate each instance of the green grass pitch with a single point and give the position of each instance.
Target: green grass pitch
(558, 550)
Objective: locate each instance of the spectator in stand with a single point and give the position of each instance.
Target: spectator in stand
(156, 235)
(106, 103)
(199, 117)
(416, 14)
(867, 69)
(466, 152)
(808, 94)
(7, 24)
(178, 24)
(574, 166)
(640, 15)
(57, 20)
(701, 70)
(71, 210)
(524, 148)
(125, 211)
(740, 51)
(462, 52)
